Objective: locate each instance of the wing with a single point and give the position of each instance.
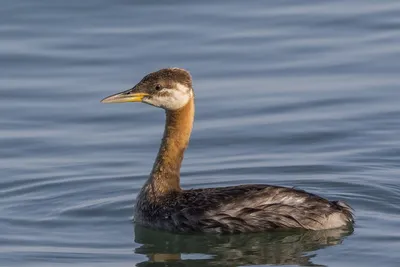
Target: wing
(252, 208)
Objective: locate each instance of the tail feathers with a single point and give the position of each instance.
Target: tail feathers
(346, 209)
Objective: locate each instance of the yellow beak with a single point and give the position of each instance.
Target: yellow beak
(124, 97)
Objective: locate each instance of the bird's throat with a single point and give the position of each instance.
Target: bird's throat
(165, 176)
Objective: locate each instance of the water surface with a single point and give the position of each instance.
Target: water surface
(292, 93)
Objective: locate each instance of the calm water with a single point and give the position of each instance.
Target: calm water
(293, 93)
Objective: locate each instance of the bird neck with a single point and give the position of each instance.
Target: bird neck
(165, 176)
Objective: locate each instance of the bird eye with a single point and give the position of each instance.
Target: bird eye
(158, 87)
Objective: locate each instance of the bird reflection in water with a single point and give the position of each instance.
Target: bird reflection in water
(278, 248)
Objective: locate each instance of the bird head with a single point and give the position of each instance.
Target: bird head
(170, 89)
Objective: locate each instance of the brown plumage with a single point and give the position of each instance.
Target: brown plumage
(162, 204)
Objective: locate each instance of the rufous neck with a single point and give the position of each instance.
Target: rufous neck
(165, 176)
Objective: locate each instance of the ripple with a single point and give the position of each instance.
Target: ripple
(299, 94)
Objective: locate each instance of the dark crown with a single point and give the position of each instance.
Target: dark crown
(170, 75)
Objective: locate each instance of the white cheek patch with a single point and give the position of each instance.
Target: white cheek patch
(174, 99)
(184, 89)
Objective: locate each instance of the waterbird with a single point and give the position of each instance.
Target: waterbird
(162, 203)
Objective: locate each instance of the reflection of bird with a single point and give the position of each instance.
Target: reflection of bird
(162, 204)
(279, 247)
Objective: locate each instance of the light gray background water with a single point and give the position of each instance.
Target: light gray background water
(293, 93)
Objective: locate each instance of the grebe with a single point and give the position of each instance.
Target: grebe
(162, 204)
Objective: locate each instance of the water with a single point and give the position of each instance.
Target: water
(293, 93)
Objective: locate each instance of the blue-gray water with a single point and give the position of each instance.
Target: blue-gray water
(293, 93)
